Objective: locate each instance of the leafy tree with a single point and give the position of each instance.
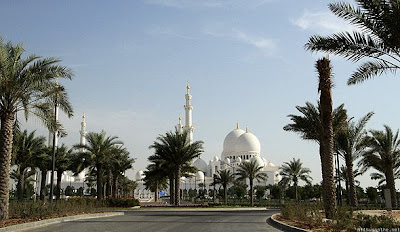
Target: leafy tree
(26, 182)
(26, 147)
(25, 84)
(238, 189)
(95, 154)
(378, 37)
(63, 161)
(349, 144)
(43, 162)
(383, 154)
(251, 170)
(292, 172)
(175, 149)
(155, 178)
(260, 191)
(224, 178)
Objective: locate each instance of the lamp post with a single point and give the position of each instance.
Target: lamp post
(53, 156)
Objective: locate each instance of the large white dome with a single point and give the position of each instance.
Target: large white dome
(231, 140)
(201, 165)
(248, 142)
(139, 175)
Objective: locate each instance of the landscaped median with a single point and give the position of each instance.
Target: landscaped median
(310, 217)
(46, 222)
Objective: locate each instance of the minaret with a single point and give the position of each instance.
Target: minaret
(179, 127)
(83, 132)
(188, 114)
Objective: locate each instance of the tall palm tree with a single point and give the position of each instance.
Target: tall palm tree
(26, 148)
(24, 85)
(344, 176)
(43, 162)
(327, 142)
(378, 37)
(292, 172)
(349, 144)
(224, 178)
(26, 181)
(251, 170)
(382, 178)
(175, 148)
(119, 163)
(96, 153)
(383, 154)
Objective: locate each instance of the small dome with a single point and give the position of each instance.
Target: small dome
(200, 176)
(271, 164)
(231, 139)
(200, 165)
(259, 161)
(227, 160)
(215, 158)
(238, 159)
(248, 142)
(139, 175)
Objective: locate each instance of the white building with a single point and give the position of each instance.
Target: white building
(239, 146)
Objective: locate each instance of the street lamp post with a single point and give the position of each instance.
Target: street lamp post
(53, 157)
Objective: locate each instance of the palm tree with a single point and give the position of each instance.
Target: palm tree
(327, 142)
(26, 148)
(119, 163)
(26, 182)
(381, 177)
(349, 145)
(43, 162)
(292, 172)
(251, 170)
(383, 154)
(378, 37)
(224, 178)
(63, 158)
(175, 149)
(24, 84)
(155, 178)
(344, 176)
(96, 153)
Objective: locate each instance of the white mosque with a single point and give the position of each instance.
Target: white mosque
(239, 146)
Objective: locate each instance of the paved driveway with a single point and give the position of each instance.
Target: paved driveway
(185, 221)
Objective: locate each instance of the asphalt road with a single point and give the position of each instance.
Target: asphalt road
(185, 221)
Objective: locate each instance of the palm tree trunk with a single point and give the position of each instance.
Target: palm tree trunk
(390, 183)
(326, 144)
(171, 189)
(43, 184)
(108, 185)
(156, 192)
(6, 141)
(99, 172)
(114, 186)
(177, 186)
(251, 193)
(20, 183)
(295, 189)
(58, 189)
(225, 194)
(351, 192)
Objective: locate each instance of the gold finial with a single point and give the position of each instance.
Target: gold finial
(180, 119)
(237, 125)
(83, 116)
(187, 86)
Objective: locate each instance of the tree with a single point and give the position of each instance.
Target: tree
(26, 181)
(344, 176)
(292, 172)
(63, 161)
(24, 86)
(175, 149)
(95, 154)
(349, 145)
(251, 170)
(224, 178)
(326, 144)
(155, 178)
(26, 148)
(372, 194)
(383, 154)
(43, 162)
(378, 37)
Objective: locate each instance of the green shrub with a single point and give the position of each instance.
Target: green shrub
(122, 202)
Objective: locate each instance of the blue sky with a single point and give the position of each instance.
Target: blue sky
(245, 60)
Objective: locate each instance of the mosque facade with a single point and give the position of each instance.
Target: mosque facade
(239, 146)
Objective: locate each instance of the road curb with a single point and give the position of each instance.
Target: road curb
(46, 222)
(280, 225)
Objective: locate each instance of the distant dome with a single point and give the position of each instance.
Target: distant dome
(200, 165)
(200, 176)
(227, 160)
(215, 158)
(271, 164)
(248, 142)
(259, 161)
(231, 139)
(139, 175)
(239, 160)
